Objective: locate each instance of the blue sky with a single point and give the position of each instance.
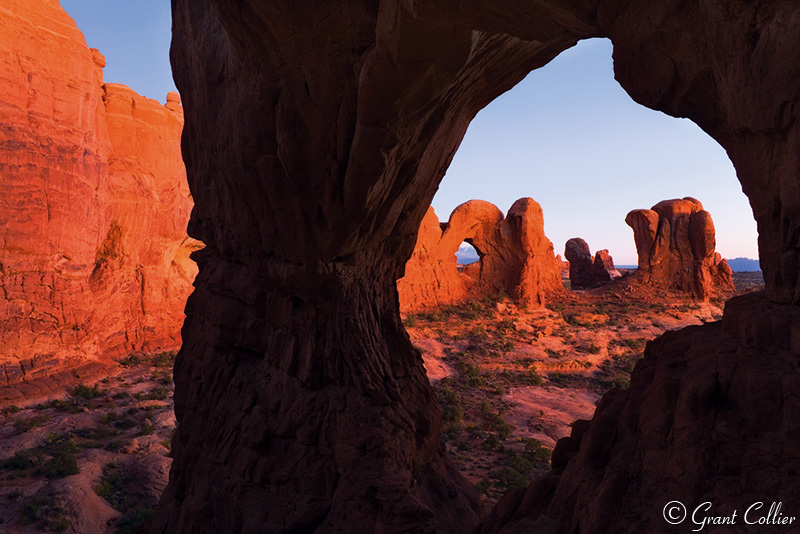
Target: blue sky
(567, 136)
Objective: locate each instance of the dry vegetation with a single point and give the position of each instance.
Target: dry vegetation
(102, 451)
(510, 383)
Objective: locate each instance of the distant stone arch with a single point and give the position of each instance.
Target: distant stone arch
(516, 258)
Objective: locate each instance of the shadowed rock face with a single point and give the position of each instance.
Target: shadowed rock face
(675, 241)
(516, 257)
(93, 249)
(585, 272)
(315, 139)
(709, 417)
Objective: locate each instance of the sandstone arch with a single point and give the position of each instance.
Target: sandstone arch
(315, 137)
(516, 258)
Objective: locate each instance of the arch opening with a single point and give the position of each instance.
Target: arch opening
(588, 171)
(467, 254)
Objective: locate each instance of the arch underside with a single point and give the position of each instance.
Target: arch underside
(315, 138)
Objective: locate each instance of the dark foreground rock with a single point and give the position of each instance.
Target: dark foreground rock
(315, 138)
(710, 416)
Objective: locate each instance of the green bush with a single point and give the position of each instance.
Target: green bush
(163, 359)
(507, 478)
(153, 394)
(23, 425)
(86, 392)
(131, 361)
(491, 442)
(19, 462)
(43, 508)
(62, 464)
(147, 428)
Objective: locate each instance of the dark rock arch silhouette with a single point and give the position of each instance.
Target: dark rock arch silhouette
(316, 134)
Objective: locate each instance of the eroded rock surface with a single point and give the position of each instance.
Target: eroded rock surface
(675, 241)
(516, 257)
(709, 417)
(315, 139)
(93, 251)
(585, 272)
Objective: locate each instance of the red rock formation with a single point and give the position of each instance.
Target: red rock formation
(583, 271)
(675, 241)
(710, 416)
(93, 251)
(516, 257)
(315, 139)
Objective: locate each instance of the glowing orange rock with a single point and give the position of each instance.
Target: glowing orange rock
(515, 257)
(94, 204)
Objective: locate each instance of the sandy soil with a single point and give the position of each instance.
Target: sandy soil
(510, 383)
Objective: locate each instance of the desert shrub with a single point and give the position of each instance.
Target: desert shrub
(86, 392)
(69, 405)
(153, 394)
(507, 478)
(634, 344)
(42, 508)
(504, 429)
(531, 378)
(452, 413)
(491, 442)
(505, 325)
(553, 353)
(503, 345)
(163, 359)
(535, 451)
(479, 332)
(131, 361)
(147, 428)
(24, 425)
(483, 486)
(110, 417)
(525, 362)
(19, 462)
(114, 487)
(126, 422)
(473, 374)
(133, 522)
(116, 445)
(162, 377)
(518, 462)
(593, 349)
(62, 464)
(410, 321)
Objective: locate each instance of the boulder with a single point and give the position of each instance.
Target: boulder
(585, 272)
(675, 241)
(516, 259)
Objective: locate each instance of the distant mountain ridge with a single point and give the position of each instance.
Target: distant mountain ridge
(739, 265)
(466, 254)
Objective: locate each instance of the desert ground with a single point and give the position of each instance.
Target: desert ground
(510, 383)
